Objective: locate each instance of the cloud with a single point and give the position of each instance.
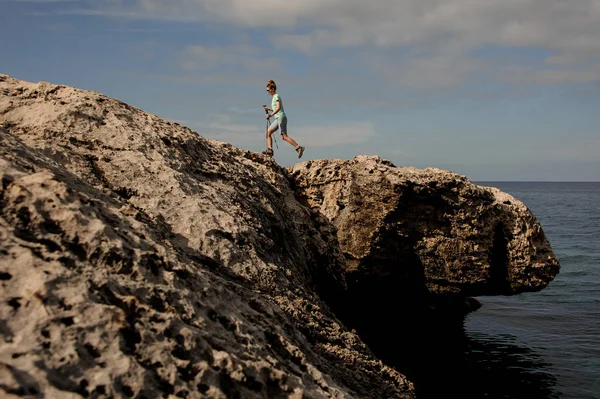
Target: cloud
(543, 76)
(330, 135)
(41, 1)
(220, 57)
(553, 24)
(223, 128)
(425, 44)
(559, 150)
(439, 71)
(318, 40)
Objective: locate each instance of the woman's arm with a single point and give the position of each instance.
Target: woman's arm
(277, 108)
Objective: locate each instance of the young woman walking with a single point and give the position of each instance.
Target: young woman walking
(280, 122)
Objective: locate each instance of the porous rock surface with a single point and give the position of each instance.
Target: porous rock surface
(138, 259)
(430, 226)
(418, 245)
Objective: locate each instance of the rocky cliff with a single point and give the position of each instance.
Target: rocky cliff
(418, 245)
(431, 227)
(139, 259)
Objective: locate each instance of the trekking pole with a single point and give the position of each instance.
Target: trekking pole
(268, 123)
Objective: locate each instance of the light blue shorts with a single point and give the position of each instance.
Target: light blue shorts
(279, 124)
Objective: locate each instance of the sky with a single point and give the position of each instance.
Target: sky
(495, 90)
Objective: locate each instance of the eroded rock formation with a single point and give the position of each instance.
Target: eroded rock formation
(429, 226)
(139, 259)
(418, 244)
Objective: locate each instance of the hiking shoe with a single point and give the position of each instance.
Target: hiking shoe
(268, 152)
(300, 151)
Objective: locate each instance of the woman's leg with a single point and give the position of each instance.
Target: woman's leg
(270, 130)
(269, 138)
(299, 149)
(284, 135)
(289, 140)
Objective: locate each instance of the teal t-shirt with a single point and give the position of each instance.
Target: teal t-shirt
(281, 113)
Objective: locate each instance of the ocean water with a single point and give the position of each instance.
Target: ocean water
(544, 344)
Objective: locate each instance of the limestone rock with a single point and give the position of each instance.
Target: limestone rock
(140, 259)
(431, 227)
(418, 244)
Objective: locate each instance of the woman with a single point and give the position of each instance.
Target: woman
(280, 122)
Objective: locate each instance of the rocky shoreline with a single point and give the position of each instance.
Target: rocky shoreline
(139, 259)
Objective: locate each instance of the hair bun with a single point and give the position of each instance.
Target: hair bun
(272, 85)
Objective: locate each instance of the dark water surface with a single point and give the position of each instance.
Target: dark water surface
(549, 340)
(534, 345)
(546, 344)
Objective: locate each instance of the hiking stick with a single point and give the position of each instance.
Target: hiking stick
(268, 123)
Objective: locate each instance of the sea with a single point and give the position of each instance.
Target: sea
(544, 344)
